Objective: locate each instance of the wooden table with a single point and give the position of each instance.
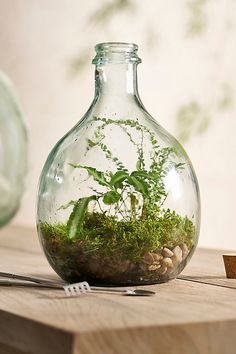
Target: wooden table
(192, 315)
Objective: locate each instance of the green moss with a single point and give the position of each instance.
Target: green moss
(108, 237)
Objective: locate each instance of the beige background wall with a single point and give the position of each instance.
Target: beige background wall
(187, 81)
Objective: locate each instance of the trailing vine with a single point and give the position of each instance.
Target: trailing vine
(137, 194)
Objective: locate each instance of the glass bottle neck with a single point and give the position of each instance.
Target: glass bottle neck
(113, 79)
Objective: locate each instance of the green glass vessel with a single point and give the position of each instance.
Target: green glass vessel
(118, 199)
(13, 151)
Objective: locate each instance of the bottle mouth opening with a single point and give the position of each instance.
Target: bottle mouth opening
(116, 52)
(116, 47)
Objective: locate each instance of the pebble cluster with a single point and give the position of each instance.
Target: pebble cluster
(150, 268)
(164, 261)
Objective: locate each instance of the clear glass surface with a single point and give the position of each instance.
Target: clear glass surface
(13, 151)
(118, 199)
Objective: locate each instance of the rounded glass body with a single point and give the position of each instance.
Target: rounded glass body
(118, 199)
(13, 151)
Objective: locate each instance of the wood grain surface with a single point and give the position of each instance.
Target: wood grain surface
(193, 314)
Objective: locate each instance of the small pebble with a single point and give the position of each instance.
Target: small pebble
(148, 258)
(167, 262)
(162, 270)
(177, 257)
(153, 267)
(184, 249)
(157, 257)
(167, 252)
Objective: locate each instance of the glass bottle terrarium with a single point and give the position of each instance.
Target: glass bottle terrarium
(13, 151)
(118, 199)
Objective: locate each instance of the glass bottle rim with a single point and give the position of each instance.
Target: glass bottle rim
(116, 52)
(116, 47)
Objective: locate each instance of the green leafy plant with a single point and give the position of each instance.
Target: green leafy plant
(143, 189)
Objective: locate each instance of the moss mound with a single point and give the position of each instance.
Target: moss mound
(129, 239)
